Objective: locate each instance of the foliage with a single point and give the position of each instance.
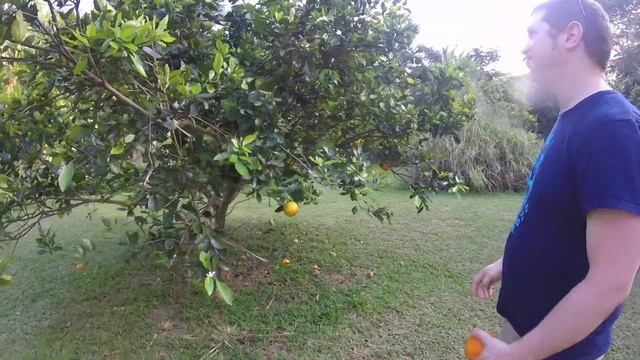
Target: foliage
(446, 101)
(495, 149)
(171, 109)
(490, 156)
(625, 67)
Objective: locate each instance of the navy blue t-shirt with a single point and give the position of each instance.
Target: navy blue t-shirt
(591, 160)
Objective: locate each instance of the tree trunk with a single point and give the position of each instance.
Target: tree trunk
(220, 215)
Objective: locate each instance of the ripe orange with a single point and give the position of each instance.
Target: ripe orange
(291, 208)
(473, 348)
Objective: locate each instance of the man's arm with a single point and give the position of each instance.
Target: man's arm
(613, 245)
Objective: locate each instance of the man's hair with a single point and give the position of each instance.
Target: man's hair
(597, 36)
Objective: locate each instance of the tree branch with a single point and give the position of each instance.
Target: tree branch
(96, 80)
(190, 125)
(121, 96)
(31, 61)
(85, 200)
(356, 137)
(35, 47)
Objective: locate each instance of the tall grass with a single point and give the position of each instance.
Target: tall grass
(490, 156)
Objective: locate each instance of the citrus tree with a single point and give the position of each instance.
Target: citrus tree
(171, 109)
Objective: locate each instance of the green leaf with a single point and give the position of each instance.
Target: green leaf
(317, 160)
(249, 139)
(66, 175)
(115, 168)
(19, 27)
(165, 37)
(5, 281)
(225, 292)
(44, 15)
(128, 32)
(71, 41)
(81, 38)
(117, 150)
(91, 31)
(88, 245)
(208, 285)
(78, 133)
(153, 203)
(241, 169)
(132, 238)
(106, 222)
(217, 63)
(161, 258)
(222, 156)
(205, 260)
(3, 264)
(129, 138)
(131, 47)
(81, 65)
(138, 64)
(183, 90)
(162, 25)
(222, 47)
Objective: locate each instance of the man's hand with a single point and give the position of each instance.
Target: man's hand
(486, 280)
(494, 349)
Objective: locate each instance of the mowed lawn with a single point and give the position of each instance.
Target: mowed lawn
(355, 288)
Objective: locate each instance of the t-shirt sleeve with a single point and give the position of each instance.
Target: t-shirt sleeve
(608, 168)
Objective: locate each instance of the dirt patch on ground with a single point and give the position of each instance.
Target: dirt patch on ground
(168, 323)
(247, 274)
(276, 350)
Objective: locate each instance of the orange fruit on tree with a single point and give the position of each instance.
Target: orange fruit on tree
(291, 208)
(473, 348)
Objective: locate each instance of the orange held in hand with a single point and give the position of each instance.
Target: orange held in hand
(473, 348)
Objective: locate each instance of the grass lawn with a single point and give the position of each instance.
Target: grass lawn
(382, 291)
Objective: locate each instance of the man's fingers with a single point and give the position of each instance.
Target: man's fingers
(475, 286)
(483, 336)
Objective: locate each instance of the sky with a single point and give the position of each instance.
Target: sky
(466, 24)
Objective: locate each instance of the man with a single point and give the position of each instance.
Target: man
(574, 250)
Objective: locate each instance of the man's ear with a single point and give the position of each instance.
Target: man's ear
(572, 35)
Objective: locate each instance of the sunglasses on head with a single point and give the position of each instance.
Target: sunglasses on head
(584, 14)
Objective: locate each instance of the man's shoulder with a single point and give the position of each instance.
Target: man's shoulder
(613, 107)
(606, 113)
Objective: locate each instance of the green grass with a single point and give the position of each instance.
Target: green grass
(384, 291)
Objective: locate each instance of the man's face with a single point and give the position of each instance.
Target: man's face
(542, 53)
